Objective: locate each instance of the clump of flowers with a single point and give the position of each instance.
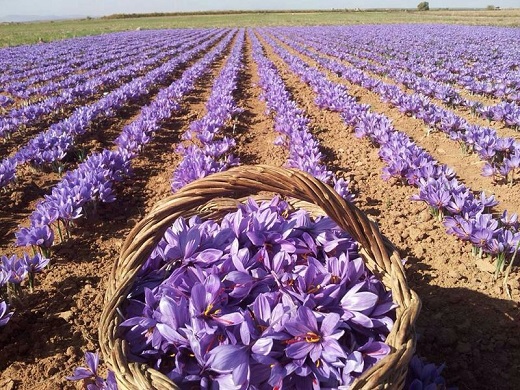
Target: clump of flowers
(267, 298)
(14, 270)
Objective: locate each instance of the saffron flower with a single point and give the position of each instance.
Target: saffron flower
(5, 315)
(309, 339)
(90, 375)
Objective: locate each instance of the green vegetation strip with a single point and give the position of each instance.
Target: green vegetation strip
(12, 34)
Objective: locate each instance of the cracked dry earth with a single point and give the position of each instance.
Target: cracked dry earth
(466, 321)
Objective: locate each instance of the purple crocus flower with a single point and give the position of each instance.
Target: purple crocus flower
(207, 302)
(509, 221)
(41, 236)
(457, 203)
(15, 268)
(5, 314)
(92, 360)
(481, 237)
(181, 241)
(143, 333)
(422, 376)
(355, 303)
(310, 340)
(231, 359)
(373, 351)
(459, 226)
(89, 374)
(363, 358)
(35, 263)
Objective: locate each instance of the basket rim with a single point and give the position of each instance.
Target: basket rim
(223, 190)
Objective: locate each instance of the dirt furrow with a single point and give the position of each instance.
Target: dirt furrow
(254, 131)
(439, 267)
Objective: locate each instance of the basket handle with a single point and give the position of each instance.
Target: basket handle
(244, 181)
(378, 253)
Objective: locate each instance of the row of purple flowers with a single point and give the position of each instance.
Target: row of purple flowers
(502, 155)
(86, 60)
(53, 144)
(82, 86)
(208, 151)
(28, 65)
(482, 60)
(377, 62)
(293, 125)
(35, 66)
(465, 215)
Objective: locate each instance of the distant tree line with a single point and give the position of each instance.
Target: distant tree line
(423, 6)
(158, 14)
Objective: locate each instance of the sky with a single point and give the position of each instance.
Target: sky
(107, 7)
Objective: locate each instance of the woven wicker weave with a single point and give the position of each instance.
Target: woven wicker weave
(217, 194)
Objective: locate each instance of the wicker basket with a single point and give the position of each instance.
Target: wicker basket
(215, 195)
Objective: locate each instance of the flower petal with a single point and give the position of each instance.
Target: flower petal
(263, 346)
(92, 359)
(226, 358)
(298, 350)
(330, 323)
(359, 301)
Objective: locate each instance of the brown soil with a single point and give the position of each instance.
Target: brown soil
(466, 320)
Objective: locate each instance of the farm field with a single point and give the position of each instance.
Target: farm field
(423, 126)
(12, 34)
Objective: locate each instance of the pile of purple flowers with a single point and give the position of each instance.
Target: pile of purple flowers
(421, 375)
(267, 298)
